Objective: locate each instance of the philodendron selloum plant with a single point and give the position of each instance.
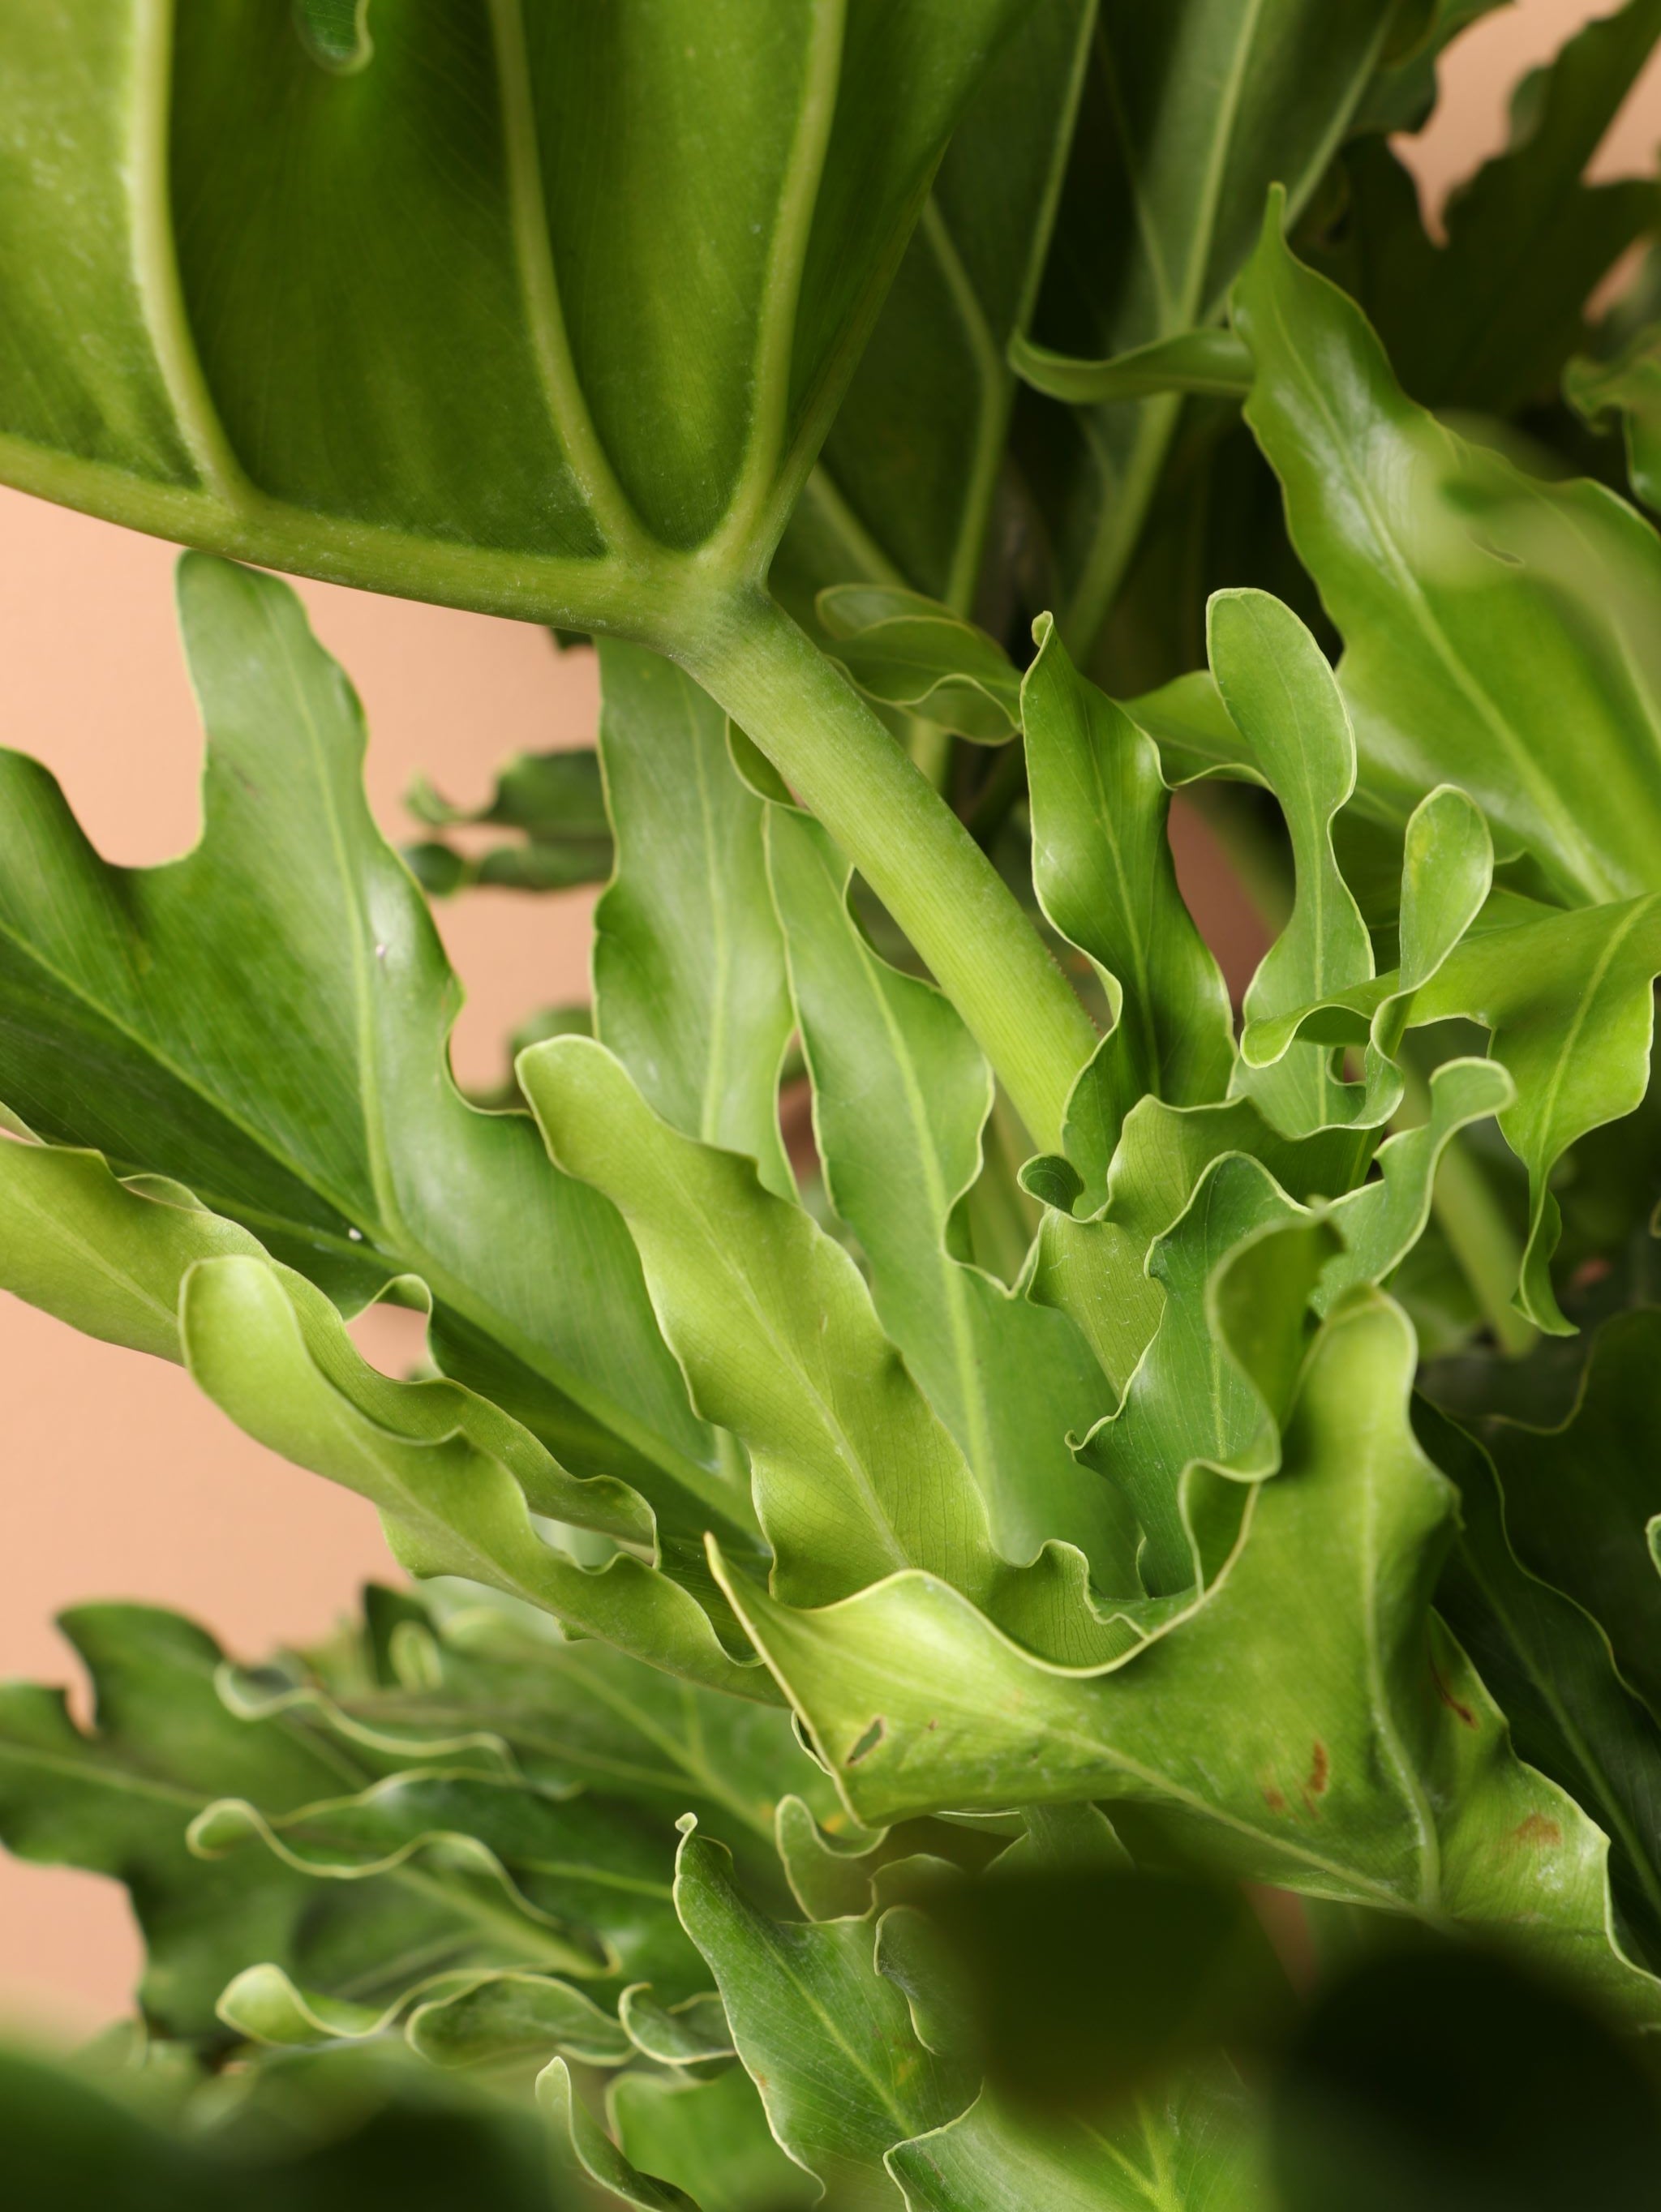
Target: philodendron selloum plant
(1083, 1634)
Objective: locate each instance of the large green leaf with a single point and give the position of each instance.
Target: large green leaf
(1309, 1723)
(1189, 110)
(689, 972)
(605, 359)
(901, 1095)
(1499, 632)
(265, 1022)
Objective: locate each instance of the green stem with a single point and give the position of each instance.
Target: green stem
(906, 843)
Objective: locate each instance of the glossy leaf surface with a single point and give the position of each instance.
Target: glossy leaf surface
(604, 364)
(1484, 614)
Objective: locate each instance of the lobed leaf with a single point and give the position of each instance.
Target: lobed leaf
(1485, 614)
(901, 1096)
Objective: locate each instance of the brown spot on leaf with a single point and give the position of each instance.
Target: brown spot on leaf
(1455, 1705)
(1537, 1831)
(1320, 1770)
(1273, 1798)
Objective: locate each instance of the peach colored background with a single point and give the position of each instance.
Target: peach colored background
(118, 1480)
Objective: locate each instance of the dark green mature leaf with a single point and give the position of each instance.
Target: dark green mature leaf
(905, 492)
(1547, 1662)
(1486, 319)
(690, 988)
(828, 2041)
(1630, 387)
(1104, 874)
(603, 365)
(266, 1021)
(1582, 1500)
(1499, 632)
(118, 1799)
(901, 1096)
(1308, 1723)
(1189, 110)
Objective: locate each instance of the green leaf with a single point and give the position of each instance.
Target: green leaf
(503, 2018)
(575, 1887)
(1186, 2148)
(1308, 1725)
(598, 2155)
(1485, 614)
(1104, 875)
(583, 1712)
(690, 990)
(1544, 1656)
(1630, 387)
(826, 2039)
(711, 2138)
(1581, 1498)
(443, 1472)
(854, 1476)
(906, 490)
(1568, 1002)
(99, 1254)
(1210, 362)
(1280, 693)
(691, 2034)
(1189, 110)
(554, 798)
(304, 2135)
(602, 369)
(1382, 1220)
(117, 1800)
(1486, 319)
(1197, 1398)
(145, 1012)
(904, 650)
(901, 1095)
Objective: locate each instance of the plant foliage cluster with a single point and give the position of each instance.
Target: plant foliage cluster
(1083, 1633)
